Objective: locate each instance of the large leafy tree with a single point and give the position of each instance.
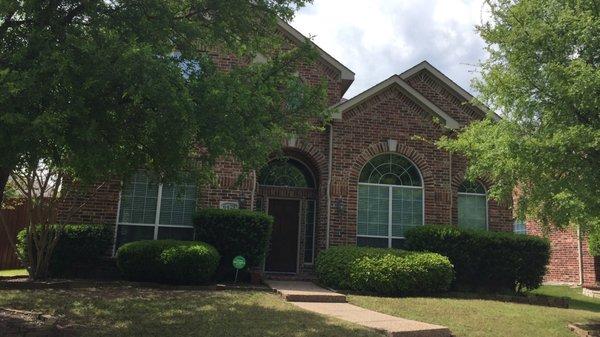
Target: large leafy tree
(543, 75)
(91, 89)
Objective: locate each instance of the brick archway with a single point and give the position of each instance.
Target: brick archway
(382, 147)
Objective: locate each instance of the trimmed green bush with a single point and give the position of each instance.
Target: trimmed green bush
(168, 261)
(333, 265)
(79, 246)
(377, 270)
(415, 273)
(235, 232)
(486, 260)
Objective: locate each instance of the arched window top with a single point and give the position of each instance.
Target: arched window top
(390, 169)
(286, 172)
(473, 187)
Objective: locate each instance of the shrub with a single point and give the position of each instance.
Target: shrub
(594, 242)
(79, 246)
(389, 274)
(486, 260)
(383, 271)
(235, 232)
(168, 261)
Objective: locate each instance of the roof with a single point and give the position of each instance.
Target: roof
(346, 75)
(396, 80)
(449, 83)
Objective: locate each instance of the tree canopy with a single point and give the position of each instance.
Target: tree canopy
(543, 76)
(100, 88)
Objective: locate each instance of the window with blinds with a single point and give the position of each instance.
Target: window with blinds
(390, 201)
(472, 206)
(309, 236)
(150, 211)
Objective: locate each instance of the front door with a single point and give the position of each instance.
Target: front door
(283, 252)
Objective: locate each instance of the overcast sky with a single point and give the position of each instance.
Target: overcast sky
(379, 38)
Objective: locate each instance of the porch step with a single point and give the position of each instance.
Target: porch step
(300, 291)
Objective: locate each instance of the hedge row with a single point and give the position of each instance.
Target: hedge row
(383, 271)
(168, 261)
(79, 246)
(486, 260)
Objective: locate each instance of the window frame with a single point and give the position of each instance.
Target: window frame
(487, 204)
(156, 223)
(390, 188)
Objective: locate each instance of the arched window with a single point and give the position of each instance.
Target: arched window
(390, 200)
(286, 172)
(472, 206)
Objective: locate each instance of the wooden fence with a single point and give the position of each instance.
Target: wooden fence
(15, 219)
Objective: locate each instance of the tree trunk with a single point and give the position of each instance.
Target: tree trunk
(4, 174)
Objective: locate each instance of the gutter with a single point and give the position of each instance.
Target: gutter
(580, 255)
(329, 169)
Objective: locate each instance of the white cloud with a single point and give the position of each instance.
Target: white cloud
(379, 38)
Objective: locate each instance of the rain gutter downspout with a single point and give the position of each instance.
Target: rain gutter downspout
(329, 169)
(580, 255)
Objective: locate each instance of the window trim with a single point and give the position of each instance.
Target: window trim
(156, 223)
(487, 204)
(390, 187)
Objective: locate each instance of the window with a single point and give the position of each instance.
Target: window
(229, 205)
(390, 201)
(519, 227)
(472, 206)
(286, 172)
(309, 236)
(149, 210)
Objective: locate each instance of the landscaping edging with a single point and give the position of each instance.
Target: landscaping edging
(591, 291)
(25, 284)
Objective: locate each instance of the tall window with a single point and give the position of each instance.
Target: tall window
(390, 201)
(149, 210)
(472, 206)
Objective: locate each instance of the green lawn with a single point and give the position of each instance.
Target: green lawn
(13, 272)
(576, 298)
(474, 317)
(143, 312)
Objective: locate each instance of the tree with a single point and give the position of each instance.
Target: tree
(95, 89)
(543, 74)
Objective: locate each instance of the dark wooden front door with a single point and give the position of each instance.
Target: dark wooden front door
(283, 252)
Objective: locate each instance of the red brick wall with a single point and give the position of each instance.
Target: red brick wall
(95, 204)
(564, 258)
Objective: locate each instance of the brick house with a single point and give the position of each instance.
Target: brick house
(370, 175)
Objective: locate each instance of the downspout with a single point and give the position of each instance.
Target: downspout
(580, 255)
(329, 169)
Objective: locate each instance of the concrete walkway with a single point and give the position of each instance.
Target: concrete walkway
(311, 297)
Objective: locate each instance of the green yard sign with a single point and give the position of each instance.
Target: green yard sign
(239, 262)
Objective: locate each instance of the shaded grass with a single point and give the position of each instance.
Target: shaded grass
(478, 318)
(123, 311)
(576, 299)
(13, 272)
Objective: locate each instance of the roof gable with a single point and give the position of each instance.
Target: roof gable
(426, 66)
(346, 75)
(405, 89)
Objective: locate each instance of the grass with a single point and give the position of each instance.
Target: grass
(576, 299)
(132, 312)
(476, 317)
(13, 272)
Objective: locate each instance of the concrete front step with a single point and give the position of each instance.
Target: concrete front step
(392, 326)
(299, 291)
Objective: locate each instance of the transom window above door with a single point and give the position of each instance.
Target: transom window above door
(390, 200)
(286, 172)
(472, 206)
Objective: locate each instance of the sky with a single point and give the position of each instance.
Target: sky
(379, 38)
